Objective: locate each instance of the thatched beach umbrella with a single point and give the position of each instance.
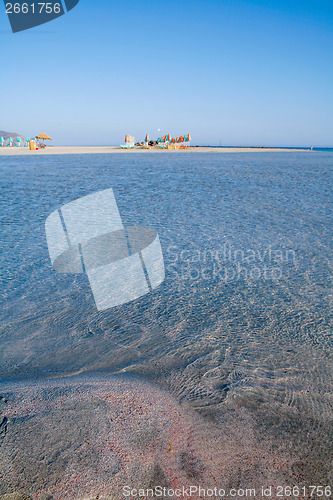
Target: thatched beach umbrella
(44, 137)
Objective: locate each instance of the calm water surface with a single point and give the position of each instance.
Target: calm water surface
(243, 317)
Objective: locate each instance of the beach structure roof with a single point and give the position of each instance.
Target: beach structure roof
(43, 136)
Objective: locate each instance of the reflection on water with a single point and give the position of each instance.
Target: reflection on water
(239, 329)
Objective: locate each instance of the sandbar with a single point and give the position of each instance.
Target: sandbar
(67, 150)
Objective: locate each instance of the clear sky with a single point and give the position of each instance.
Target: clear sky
(231, 72)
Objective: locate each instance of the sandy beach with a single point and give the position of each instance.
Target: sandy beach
(115, 433)
(75, 150)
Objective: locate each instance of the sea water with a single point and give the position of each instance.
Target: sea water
(238, 334)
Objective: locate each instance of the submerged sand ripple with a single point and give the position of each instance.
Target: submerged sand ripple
(88, 438)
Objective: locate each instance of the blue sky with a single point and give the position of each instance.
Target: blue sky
(230, 72)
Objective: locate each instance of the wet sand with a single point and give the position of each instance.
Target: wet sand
(89, 438)
(72, 150)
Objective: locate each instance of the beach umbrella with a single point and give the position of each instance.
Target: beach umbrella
(129, 138)
(10, 141)
(18, 141)
(2, 140)
(147, 138)
(27, 139)
(44, 137)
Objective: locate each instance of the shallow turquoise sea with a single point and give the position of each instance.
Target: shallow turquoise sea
(241, 328)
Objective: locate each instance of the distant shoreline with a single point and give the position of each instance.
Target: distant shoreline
(63, 150)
